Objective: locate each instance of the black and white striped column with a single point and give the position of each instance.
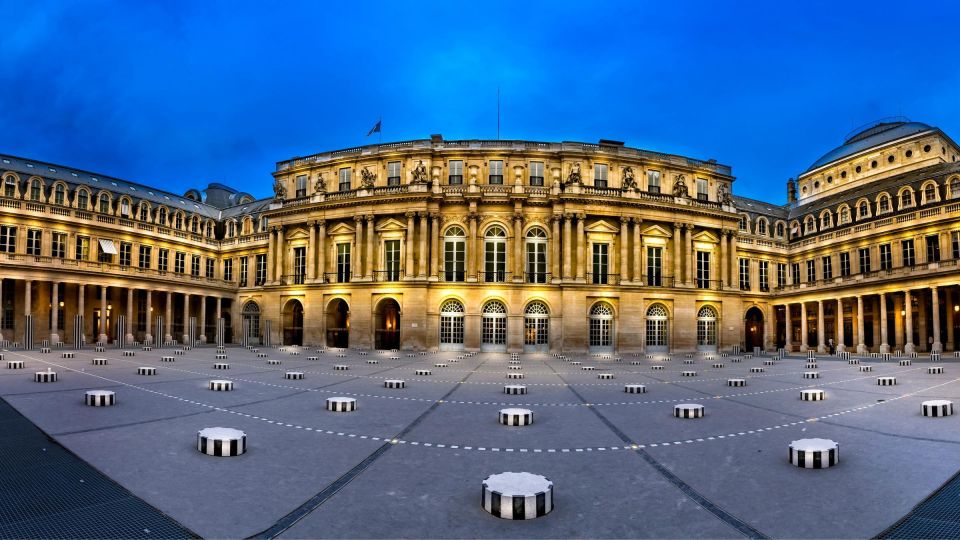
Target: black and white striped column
(886, 381)
(814, 453)
(222, 442)
(28, 332)
(515, 417)
(191, 332)
(635, 389)
(146, 370)
(221, 329)
(159, 332)
(934, 370)
(78, 331)
(812, 394)
(245, 333)
(45, 376)
(120, 331)
(688, 410)
(341, 404)
(514, 389)
(736, 382)
(522, 495)
(100, 398)
(395, 384)
(937, 407)
(268, 333)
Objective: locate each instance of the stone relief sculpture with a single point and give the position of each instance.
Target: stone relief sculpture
(420, 173)
(279, 191)
(680, 187)
(628, 181)
(321, 185)
(574, 177)
(724, 195)
(367, 178)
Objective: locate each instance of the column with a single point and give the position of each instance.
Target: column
(148, 336)
(688, 255)
(102, 338)
(637, 252)
(358, 248)
(677, 255)
(271, 247)
(884, 341)
(371, 240)
(81, 301)
(321, 253)
(624, 253)
(908, 347)
(567, 246)
(472, 249)
(581, 247)
(821, 344)
(408, 246)
(555, 249)
(28, 304)
(733, 272)
(898, 322)
(841, 346)
(724, 263)
(950, 343)
(935, 309)
(168, 319)
(128, 337)
(518, 274)
(311, 255)
(281, 249)
(203, 317)
(861, 346)
(803, 327)
(186, 320)
(219, 309)
(54, 312)
(788, 341)
(422, 266)
(434, 246)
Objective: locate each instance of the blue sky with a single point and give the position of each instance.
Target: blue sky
(179, 94)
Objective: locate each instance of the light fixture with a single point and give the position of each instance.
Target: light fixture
(61, 303)
(956, 308)
(903, 312)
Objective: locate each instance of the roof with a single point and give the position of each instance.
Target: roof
(874, 135)
(755, 207)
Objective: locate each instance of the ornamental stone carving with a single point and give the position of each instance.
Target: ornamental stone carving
(279, 190)
(574, 177)
(368, 178)
(628, 181)
(321, 185)
(419, 173)
(680, 187)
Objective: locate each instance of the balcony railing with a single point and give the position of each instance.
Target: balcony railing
(657, 280)
(293, 279)
(538, 277)
(603, 278)
(499, 276)
(338, 277)
(387, 275)
(712, 284)
(453, 276)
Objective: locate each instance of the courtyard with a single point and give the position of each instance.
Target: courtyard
(409, 462)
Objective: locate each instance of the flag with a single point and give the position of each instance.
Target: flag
(374, 129)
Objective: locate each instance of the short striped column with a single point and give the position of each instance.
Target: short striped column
(128, 353)
(220, 385)
(812, 394)
(99, 361)
(604, 376)
(934, 370)
(811, 374)
(688, 373)
(844, 355)
(814, 453)
(45, 376)
(688, 410)
(522, 495)
(69, 354)
(757, 369)
(588, 368)
(811, 355)
(341, 367)
(657, 368)
(168, 359)
(444, 364)
(937, 407)
(866, 368)
(934, 357)
(515, 417)
(100, 398)
(395, 384)
(769, 362)
(14, 364)
(635, 389)
(811, 365)
(146, 370)
(886, 381)
(905, 362)
(717, 365)
(293, 375)
(273, 362)
(736, 382)
(425, 372)
(221, 365)
(515, 375)
(341, 404)
(853, 361)
(514, 389)
(221, 442)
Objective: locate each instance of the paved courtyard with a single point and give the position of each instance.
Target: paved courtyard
(409, 462)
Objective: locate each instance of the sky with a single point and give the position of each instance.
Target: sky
(180, 94)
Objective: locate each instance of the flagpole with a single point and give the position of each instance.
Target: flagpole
(380, 131)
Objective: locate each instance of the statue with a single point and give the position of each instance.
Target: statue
(724, 195)
(574, 177)
(279, 191)
(367, 178)
(628, 180)
(680, 187)
(321, 185)
(419, 173)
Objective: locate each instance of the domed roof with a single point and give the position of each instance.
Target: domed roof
(873, 135)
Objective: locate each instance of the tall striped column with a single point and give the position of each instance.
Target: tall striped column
(161, 331)
(245, 333)
(268, 333)
(121, 331)
(78, 331)
(28, 332)
(191, 331)
(220, 331)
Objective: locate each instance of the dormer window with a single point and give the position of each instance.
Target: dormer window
(863, 211)
(906, 199)
(884, 205)
(762, 227)
(743, 223)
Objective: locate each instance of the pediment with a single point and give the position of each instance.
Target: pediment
(340, 228)
(657, 230)
(706, 236)
(602, 226)
(391, 224)
(297, 234)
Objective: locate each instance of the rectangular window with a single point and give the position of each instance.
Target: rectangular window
(703, 269)
(144, 260)
(10, 188)
(58, 246)
(163, 260)
(496, 172)
(299, 265)
(536, 173)
(795, 273)
(228, 270)
(764, 276)
(244, 271)
(811, 271)
(301, 186)
(653, 181)
(536, 260)
(600, 175)
(211, 268)
(781, 275)
(702, 193)
(654, 266)
(179, 262)
(393, 173)
(744, 274)
(195, 266)
(391, 257)
(456, 172)
(34, 237)
(495, 260)
(827, 263)
(886, 258)
(453, 259)
(8, 239)
(863, 255)
(933, 248)
(343, 263)
(844, 264)
(345, 179)
(261, 269)
(600, 263)
(126, 253)
(909, 257)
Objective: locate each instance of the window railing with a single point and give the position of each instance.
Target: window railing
(606, 278)
(338, 277)
(712, 284)
(456, 276)
(538, 277)
(388, 275)
(498, 276)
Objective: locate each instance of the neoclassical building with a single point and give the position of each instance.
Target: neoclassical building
(500, 246)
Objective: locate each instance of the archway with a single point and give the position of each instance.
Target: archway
(601, 328)
(536, 327)
(338, 324)
(658, 329)
(387, 324)
(251, 323)
(293, 323)
(451, 325)
(493, 331)
(707, 329)
(753, 329)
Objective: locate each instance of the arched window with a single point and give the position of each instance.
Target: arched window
(104, 203)
(144, 212)
(495, 255)
(162, 217)
(178, 221)
(231, 229)
(761, 226)
(810, 225)
(10, 187)
(83, 199)
(707, 327)
(251, 320)
(125, 207)
(601, 327)
(493, 331)
(863, 210)
(826, 221)
(929, 194)
(35, 190)
(536, 327)
(195, 225)
(657, 328)
(955, 188)
(743, 223)
(59, 195)
(906, 199)
(780, 231)
(844, 215)
(883, 205)
(454, 254)
(451, 325)
(536, 250)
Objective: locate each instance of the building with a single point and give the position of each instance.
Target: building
(499, 245)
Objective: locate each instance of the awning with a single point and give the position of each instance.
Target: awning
(108, 246)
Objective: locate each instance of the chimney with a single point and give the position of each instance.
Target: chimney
(436, 138)
(791, 190)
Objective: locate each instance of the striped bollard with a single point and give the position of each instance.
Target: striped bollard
(221, 442)
(515, 417)
(814, 453)
(99, 398)
(522, 495)
(937, 408)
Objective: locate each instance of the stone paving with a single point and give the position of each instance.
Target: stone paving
(408, 463)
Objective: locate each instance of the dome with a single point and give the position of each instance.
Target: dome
(873, 135)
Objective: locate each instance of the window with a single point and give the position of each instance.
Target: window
(933, 248)
(780, 230)
(345, 179)
(781, 275)
(744, 266)
(343, 262)
(195, 266)
(764, 276)
(493, 330)
(391, 257)
(35, 190)
(884, 205)
(656, 326)
(906, 199)
(827, 263)
(702, 193)
(144, 213)
(886, 259)
(454, 254)
(825, 221)
(179, 262)
(703, 269)
(451, 324)
(654, 266)
(600, 175)
(10, 187)
(251, 314)
(795, 273)
(863, 211)
(299, 264)
(393, 173)
(83, 248)
(496, 172)
(929, 194)
(653, 181)
(195, 225)
(863, 254)
(163, 260)
(909, 257)
(231, 229)
(536, 173)
(495, 255)
(58, 245)
(536, 249)
(809, 226)
(844, 215)
(955, 188)
(83, 199)
(762, 226)
(743, 223)
(59, 195)
(536, 324)
(244, 271)
(125, 208)
(601, 327)
(8, 239)
(162, 217)
(34, 237)
(104, 204)
(178, 221)
(955, 245)
(261, 270)
(144, 260)
(126, 253)
(228, 269)
(210, 270)
(844, 264)
(301, 186)
(707, 326)
(456, 172)
(601, 263)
